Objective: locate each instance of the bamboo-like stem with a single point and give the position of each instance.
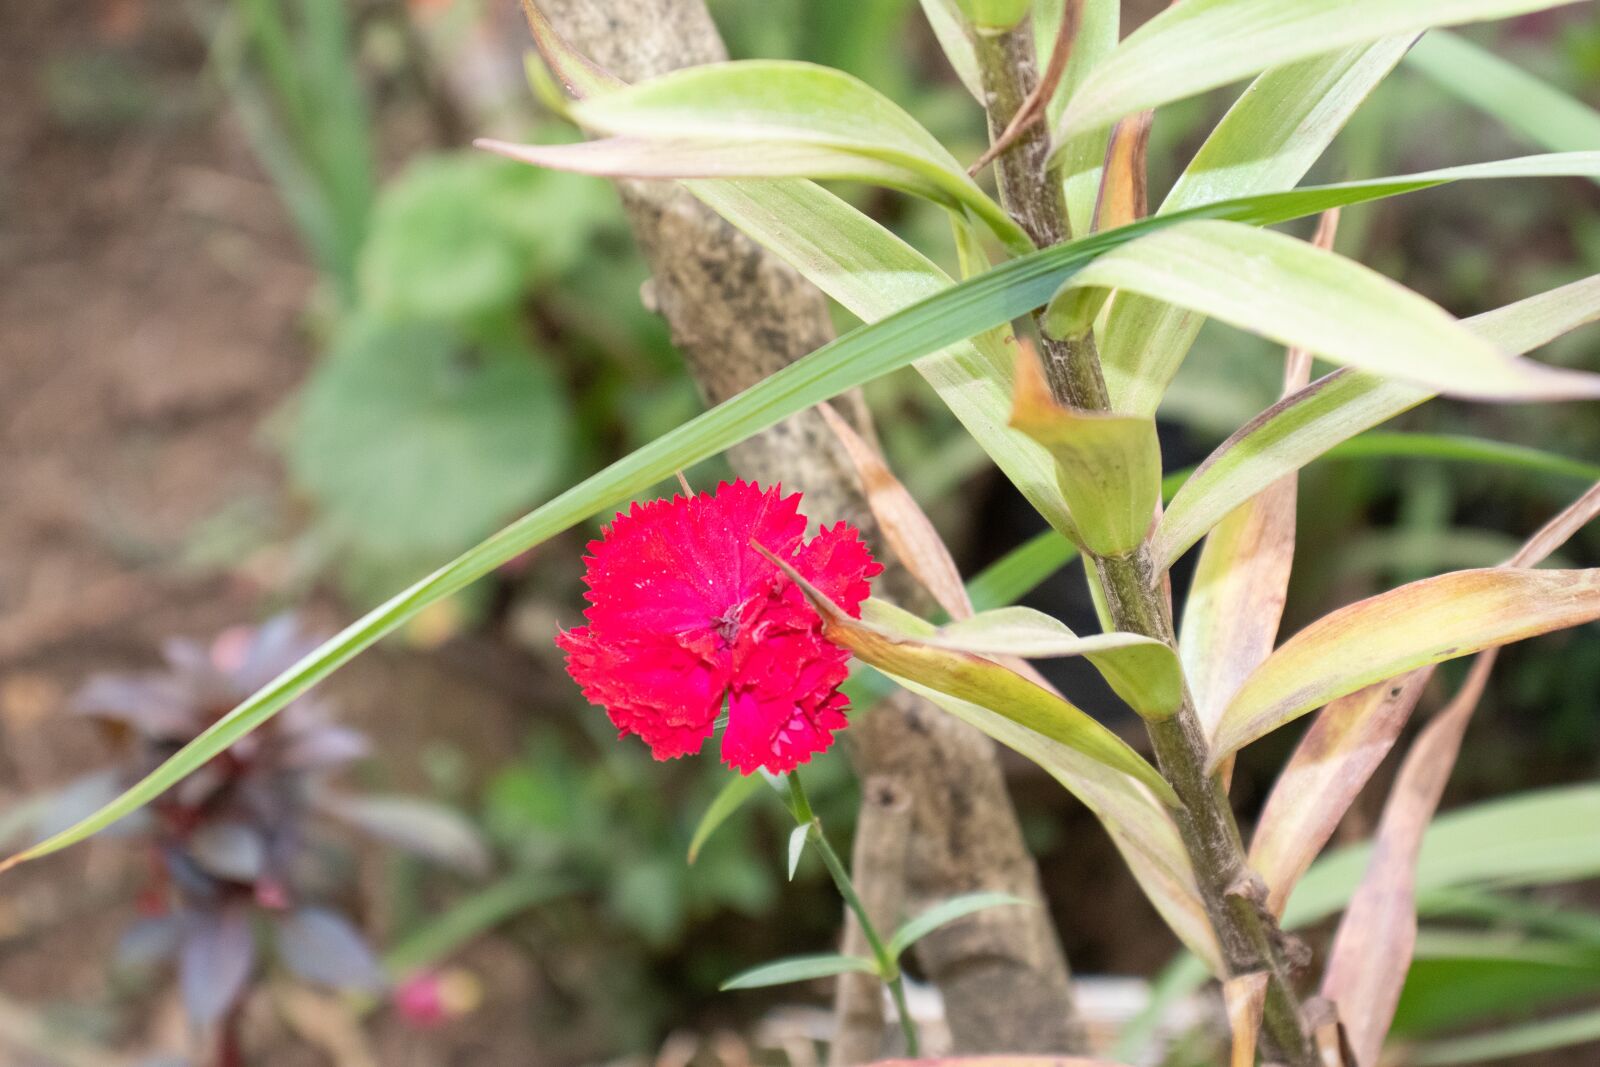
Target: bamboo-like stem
(1036, 199)
(1250, 939)
(888, 966)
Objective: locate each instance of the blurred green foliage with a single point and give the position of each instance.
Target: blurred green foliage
(485, 343)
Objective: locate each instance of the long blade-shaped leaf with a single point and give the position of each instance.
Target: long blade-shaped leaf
(1332, 763)
(1235, 602)
(1202, 44)
(944, 18)
(940, 321)
(1143, 671)
(1351, 737)
(1533, 107)
(873, 273)
(910, 652)
(1141, 828)
(804, 119)
(1498, 1046)
(944, 913)
(1271, 136)
(1372, 951)
(799, 969)
(1301, 427)
(1399, 631)
(1080, 159)
(729, 799)
(1293, 292)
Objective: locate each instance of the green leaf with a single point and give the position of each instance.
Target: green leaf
(1292, 292)
(1511, 1042)
(972, 307)
(873, 274)
(1395, 632)
(1533, 107)
(1271, 136)
(799, 969)
(413, 438)
(797, 848)
(943, 913)
(1460, 977)
(729, 799)
(1539, 837)
(1301, 427)
(769, 118)
(1109, 465)
(462, 235)
(1203, 44)
(1017, 573)
(1143, 671)
(1458, 448)
(994, 16)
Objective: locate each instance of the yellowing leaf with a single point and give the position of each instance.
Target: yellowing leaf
(905, 525)
(1142, 828)
(1143, 671)
(910, 655)
(1399, 631)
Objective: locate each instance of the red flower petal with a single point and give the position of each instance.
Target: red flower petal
(685, 614)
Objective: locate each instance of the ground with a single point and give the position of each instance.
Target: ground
(151, 325)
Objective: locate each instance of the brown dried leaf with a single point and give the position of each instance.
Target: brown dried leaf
(1372, 950)
(1329, 768)
(1123, 194)
(1351, 737)
(905, 525)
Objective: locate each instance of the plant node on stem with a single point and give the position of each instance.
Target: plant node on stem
(1250, 940)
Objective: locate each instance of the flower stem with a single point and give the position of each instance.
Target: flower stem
(888, 966)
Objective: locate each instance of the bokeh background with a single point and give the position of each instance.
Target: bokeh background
(273, 337)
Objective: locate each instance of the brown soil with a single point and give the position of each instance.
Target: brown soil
(151, 302)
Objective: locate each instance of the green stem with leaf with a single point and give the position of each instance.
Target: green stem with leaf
(887, 964)
(1132, 586)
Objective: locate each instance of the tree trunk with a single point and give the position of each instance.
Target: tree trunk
(738, 313)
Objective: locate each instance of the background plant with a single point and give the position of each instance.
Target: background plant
(1420, 522)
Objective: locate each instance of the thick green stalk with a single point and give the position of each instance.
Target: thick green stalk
(1132, 584)
(888, 966)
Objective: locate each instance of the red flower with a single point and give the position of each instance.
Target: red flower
(685, 616)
